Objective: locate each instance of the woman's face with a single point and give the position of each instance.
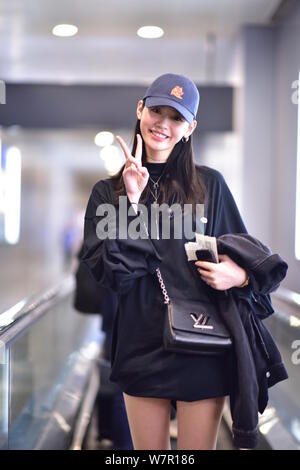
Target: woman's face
(162, 127)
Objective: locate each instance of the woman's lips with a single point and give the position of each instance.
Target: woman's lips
(158, 136)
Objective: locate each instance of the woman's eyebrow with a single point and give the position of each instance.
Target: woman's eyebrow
(173, 114)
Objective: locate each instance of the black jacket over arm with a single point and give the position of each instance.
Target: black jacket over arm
(259, 363)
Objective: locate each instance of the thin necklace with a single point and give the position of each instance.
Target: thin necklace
(155, 196)
(156, 186)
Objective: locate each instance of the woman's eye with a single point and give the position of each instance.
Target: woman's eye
(175, 118)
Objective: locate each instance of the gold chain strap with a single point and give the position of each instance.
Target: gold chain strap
(163, 287)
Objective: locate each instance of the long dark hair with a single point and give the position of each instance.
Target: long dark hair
(181, 182)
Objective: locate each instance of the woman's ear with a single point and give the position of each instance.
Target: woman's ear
(139, 109)
(191, 128)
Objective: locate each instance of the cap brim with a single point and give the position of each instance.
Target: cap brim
(162, 101)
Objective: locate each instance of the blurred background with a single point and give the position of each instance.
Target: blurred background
(71, 74)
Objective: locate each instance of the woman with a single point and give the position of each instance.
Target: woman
(161, 169)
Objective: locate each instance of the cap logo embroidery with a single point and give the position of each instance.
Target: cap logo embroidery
(178, 92)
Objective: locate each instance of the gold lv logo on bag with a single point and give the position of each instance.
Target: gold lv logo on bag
(201, 321)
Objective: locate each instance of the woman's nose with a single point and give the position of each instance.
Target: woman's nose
(163, 119)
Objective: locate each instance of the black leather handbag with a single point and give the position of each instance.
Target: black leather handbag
(193, 326)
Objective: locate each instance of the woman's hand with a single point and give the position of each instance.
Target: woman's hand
(223, 275)
(135, 175)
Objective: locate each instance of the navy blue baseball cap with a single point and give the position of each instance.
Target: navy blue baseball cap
(176, 91)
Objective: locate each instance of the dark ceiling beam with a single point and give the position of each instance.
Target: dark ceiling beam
(282, 11)
(100, 106)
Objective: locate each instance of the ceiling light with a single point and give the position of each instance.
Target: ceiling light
(150, 32)
(102, 139)
(64, 30)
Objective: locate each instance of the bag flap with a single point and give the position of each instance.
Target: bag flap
(181, 319)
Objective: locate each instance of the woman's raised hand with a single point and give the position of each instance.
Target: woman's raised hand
(135, 175)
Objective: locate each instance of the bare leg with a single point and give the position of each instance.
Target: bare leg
(198, 423)
(149, 420)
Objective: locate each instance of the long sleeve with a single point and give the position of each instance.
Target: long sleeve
(119, 260)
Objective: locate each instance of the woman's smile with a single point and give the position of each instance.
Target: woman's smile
(156, 135)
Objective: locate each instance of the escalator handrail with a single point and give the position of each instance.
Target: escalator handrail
(14, 320)
(288, 301)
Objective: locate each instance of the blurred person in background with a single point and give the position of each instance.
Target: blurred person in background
(71, 239)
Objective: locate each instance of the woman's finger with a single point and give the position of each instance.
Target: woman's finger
(133, 160)
(204, 279)
(139, 149)
(204, 274)
(123, 144)
(129, 158)
(144, 172)
(206, 265)
(133, 169)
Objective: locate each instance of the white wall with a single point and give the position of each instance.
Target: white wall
(271, 63)
(285, 140)
(257, 130)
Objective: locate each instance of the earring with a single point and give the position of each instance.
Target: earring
(185, 139)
